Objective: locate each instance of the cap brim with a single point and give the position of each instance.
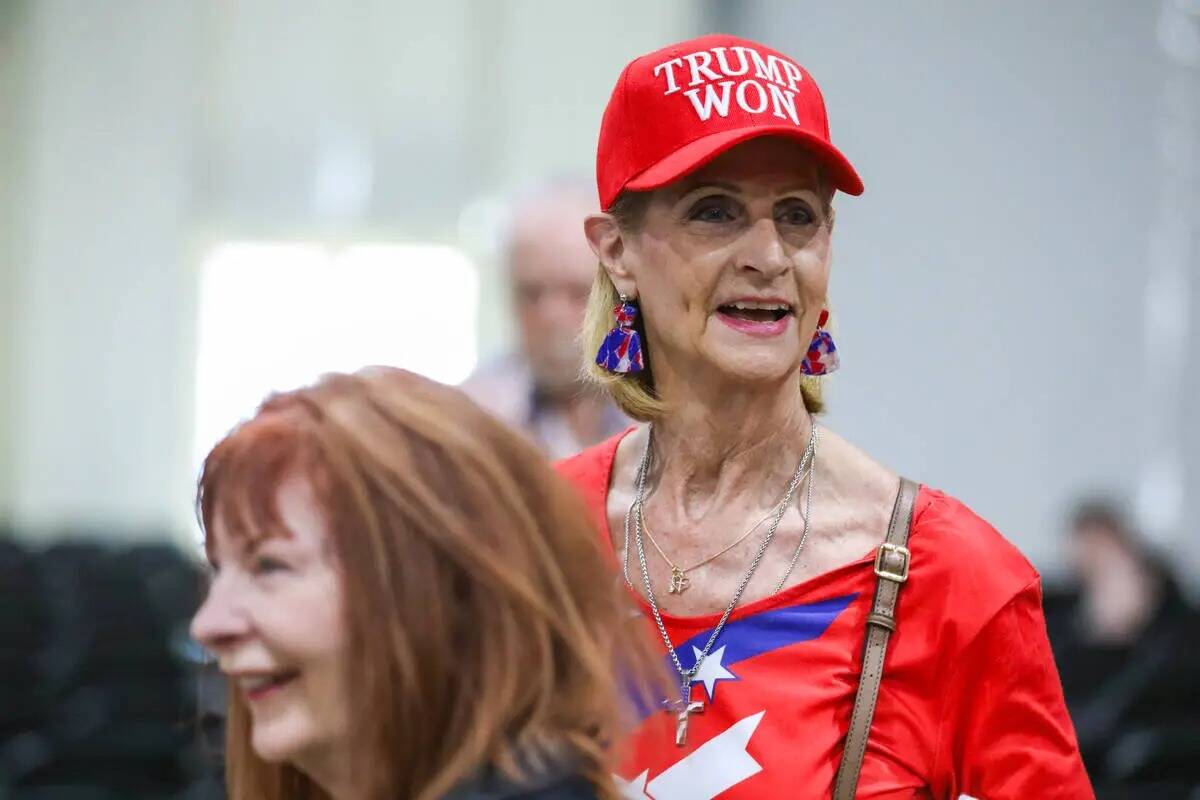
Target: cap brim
(696, 154)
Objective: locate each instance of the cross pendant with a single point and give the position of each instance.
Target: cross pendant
(686, 707)
(679, 581)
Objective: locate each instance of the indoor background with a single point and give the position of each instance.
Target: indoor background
(205, 200)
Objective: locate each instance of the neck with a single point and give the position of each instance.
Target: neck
(720, 443)
(329, 772)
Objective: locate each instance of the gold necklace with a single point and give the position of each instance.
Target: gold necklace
(679, 579)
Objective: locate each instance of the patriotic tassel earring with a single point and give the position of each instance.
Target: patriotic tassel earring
(621, 350)
(822, 357)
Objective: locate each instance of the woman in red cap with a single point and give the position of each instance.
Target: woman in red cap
(834, 629)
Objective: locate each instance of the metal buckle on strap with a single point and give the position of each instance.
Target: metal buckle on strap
(900, 550)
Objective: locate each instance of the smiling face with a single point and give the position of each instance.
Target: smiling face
(730, 264)
(273, 618)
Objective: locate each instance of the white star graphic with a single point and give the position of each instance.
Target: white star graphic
(633, 789)
(712, 670)
(715, 766)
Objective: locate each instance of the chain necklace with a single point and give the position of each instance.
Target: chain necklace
(680, 582)
(808, 490)
(685, 707)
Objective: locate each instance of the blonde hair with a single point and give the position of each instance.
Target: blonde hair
(483, 631)
(634, 393)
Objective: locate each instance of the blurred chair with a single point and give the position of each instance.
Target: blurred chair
(23, 620)
(101, 688)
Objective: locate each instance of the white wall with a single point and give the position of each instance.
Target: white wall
(97, 378)
(991, 282)
(12, 80)
(990, 285)
(154, 128)
(388, 120)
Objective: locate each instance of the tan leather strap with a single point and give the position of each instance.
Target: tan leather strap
(891, 567)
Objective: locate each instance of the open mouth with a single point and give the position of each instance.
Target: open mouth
(748, 314)
(756, 312)
(257, 687)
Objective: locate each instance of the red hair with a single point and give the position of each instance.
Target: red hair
(485, 630)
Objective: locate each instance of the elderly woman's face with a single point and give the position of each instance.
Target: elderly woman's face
(274, 619)
(731, 263)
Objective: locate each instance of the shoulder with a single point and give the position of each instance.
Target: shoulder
(962, 565)
(590, 472)
(947, 532)
(590, 469)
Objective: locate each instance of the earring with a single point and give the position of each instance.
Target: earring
(621, 350)
(822, 357)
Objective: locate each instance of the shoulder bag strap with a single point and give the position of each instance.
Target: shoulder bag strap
(891, 567)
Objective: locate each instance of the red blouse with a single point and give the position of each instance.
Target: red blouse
(970, 702)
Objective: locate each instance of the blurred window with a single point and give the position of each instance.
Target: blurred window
(277, 315)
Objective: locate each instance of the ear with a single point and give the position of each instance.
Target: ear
(608, 243)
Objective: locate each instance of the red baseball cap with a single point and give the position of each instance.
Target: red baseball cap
(674, 110)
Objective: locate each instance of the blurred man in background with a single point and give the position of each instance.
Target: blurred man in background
(539, 389)
(1126, 642)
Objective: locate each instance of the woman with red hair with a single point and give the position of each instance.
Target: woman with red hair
(405, 604)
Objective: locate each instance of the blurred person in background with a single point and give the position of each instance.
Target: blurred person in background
(773, 557)
(1125, 639)
(403, 600)
(539, 388)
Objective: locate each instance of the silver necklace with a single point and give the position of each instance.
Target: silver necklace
(685, 707)
(808, 490)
